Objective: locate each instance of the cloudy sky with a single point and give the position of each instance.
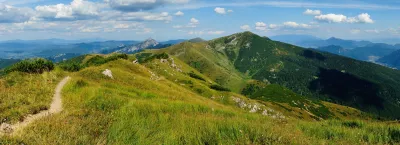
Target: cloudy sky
(176, 19)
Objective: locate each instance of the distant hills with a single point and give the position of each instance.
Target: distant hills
(7, 62)
(360, 50)
(392, 60)
(59, 49)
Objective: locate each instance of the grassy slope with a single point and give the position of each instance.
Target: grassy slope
(137, 107)
(234, 60)
(23, 94)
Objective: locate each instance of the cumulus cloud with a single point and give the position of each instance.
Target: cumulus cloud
(273, 26)
(364, 18)
(339, 18)
(261, 26)
(245, 28)
(138, 5)
(312, 12)
(77, 10)
(193, 23)
(331, 18)
(10, 14)
(222, 11)
(216, 32)
(291, 24)
(179, 13)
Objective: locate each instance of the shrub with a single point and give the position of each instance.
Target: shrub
(219, 88)
(36, 65)
(196, 76)
(116, 56)
(394, 134)
(96, 61)
(353, 124)
(72, 67)
(156, 56)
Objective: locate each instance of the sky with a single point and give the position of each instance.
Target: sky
(184, 19)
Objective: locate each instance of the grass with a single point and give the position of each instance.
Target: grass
(23, 94)
(134, 109)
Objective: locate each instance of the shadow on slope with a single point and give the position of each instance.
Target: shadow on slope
(347, 88)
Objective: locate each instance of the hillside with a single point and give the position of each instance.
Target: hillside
(234, 60)
(164, 100)
(392, 60)
(334, 49)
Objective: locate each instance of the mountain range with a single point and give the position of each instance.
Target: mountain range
(360, 50)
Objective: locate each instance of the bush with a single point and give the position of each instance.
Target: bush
(156, 56)
(219, 88)
(36, 65)
(353, 124)
(196, 76)
(96, 61)
(72, 67)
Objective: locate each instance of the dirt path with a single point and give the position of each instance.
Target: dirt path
(55, 107)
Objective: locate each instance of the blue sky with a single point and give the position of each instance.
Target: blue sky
(185, 19)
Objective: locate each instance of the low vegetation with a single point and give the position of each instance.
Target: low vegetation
(36, 65)
(23, 94)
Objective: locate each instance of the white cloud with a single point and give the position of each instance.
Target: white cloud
(194, 21)
(291, 24)
(273, 26)
(216, 32)
(339, 18)
(90, 29)
(10, 14)
(331, 18)
(77, 10)
(364, 18)
(312, 12)
(222, 11)
(261, 26)
(179, 13)
(219, 10)
(139, 5)
(245, 28)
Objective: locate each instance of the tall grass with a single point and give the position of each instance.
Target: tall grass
(23, 94)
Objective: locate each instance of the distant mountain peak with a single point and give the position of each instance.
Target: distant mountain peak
(149, 43)
(334, 38)
(197, 39)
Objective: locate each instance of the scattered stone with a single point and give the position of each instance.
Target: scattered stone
(6, 128)
(163, 60)
(108, 73)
